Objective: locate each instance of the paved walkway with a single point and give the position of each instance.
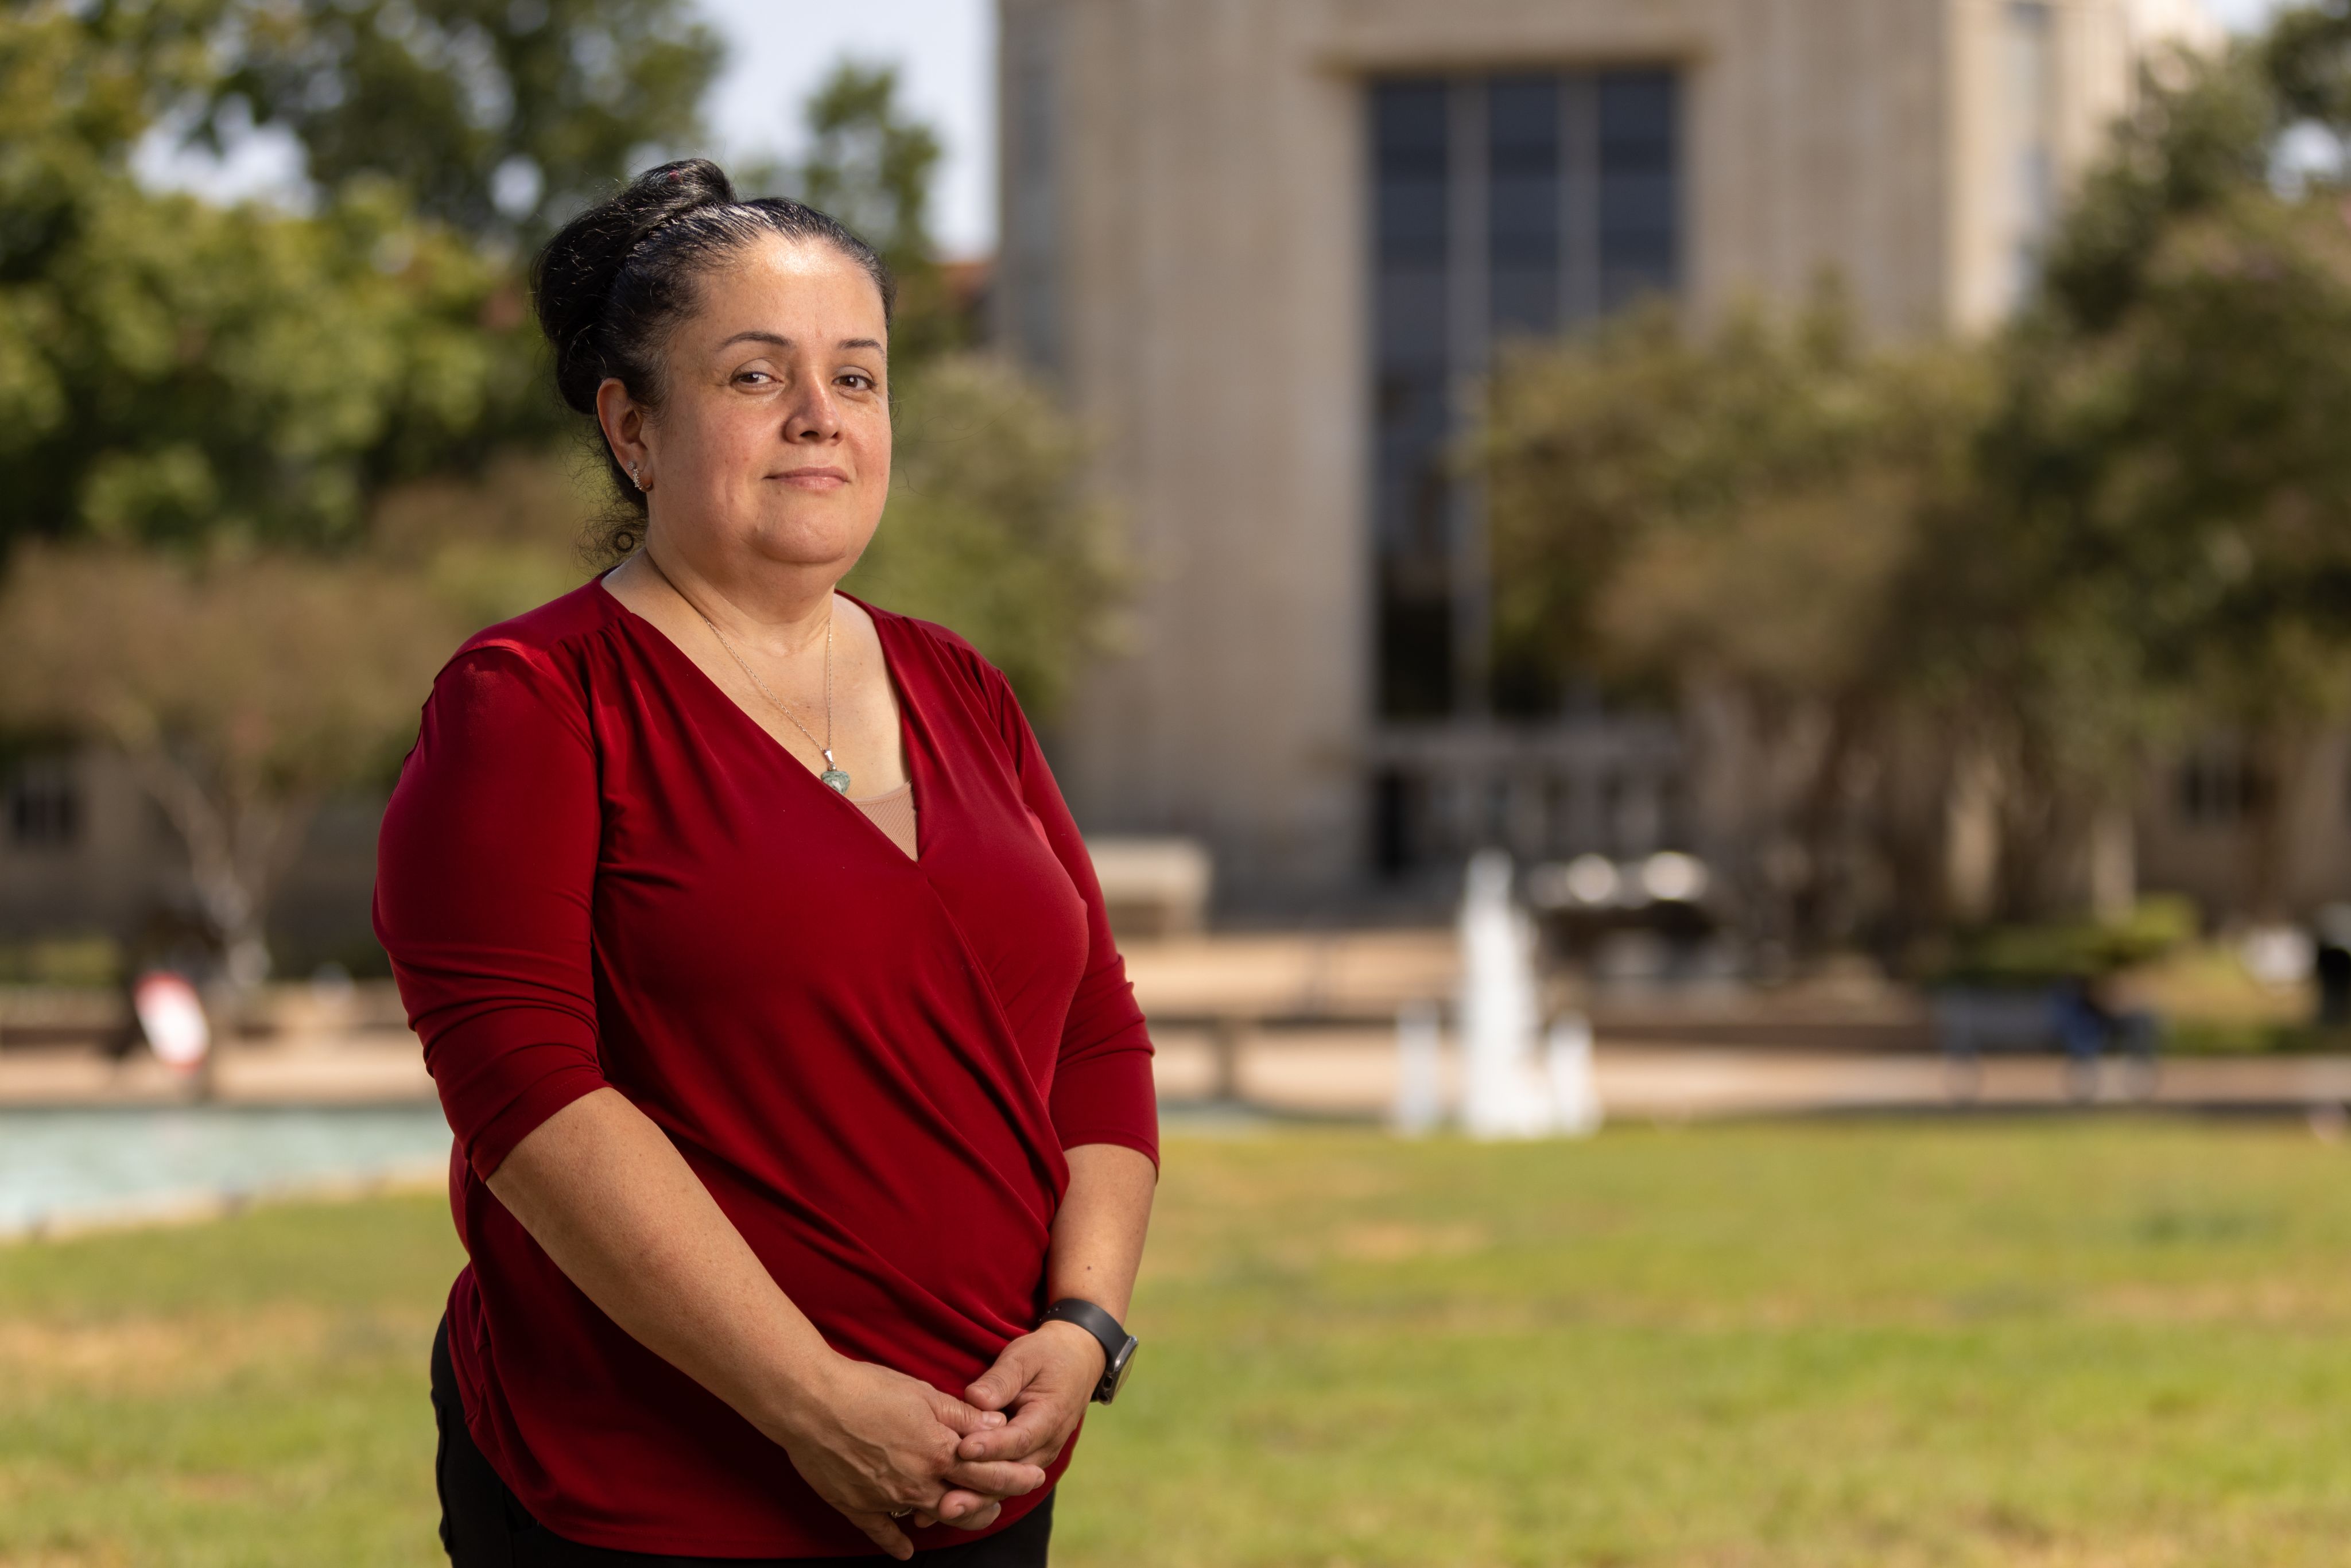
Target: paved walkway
(1294, 1022)
(1347, 1072)
(1353, 1074)
(379, 1069)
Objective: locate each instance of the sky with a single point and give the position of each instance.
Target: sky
(778, 51)
(2242, 15)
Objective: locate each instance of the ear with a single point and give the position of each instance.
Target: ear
(625, 427)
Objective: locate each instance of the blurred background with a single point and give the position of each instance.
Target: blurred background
(1771, 575)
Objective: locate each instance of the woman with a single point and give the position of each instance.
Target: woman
(805, 1129)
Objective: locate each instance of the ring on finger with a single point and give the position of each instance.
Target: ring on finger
(902, 1513)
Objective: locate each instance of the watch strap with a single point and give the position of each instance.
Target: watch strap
(1116, 1342)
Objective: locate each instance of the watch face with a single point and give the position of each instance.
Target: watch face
(1115, 1378)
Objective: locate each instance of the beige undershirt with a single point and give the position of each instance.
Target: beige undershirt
(895, 815)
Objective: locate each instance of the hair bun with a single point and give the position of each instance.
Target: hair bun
(575, 270)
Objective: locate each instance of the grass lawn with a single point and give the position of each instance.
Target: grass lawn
(2053, 1342)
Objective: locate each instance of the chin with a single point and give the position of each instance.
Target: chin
(803, 540)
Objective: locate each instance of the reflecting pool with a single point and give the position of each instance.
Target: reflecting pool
(64, 1165)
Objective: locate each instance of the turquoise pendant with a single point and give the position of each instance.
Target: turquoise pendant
(836, 778)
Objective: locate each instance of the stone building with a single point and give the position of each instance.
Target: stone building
(1265, 247)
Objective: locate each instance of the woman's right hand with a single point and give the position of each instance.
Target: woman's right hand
(874, 1443)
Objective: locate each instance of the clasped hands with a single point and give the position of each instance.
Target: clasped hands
(877, 1444)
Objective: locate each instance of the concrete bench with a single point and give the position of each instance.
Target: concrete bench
(1153, 887)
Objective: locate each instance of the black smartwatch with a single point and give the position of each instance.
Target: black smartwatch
(1118, 1345)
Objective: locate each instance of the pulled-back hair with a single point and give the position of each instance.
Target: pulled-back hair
(611, 285)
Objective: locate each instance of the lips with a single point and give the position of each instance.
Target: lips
(811, 477)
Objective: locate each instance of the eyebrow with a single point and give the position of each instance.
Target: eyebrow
(780, 341)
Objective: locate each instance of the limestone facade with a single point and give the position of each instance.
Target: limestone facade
(1187, 234)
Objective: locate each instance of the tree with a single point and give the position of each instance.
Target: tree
(1737, 524)
(990, 529)
(170, 369)
(246, 686)
(2167, 457)
(2307, 58)
(2042, 560)
(499, 117)
(871, 167)
(207, 677)
(200, 407)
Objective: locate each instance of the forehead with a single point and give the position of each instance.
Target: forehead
(797, 288)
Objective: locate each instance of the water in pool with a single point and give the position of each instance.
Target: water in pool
(57, 1166)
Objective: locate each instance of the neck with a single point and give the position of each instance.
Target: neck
(782, 607)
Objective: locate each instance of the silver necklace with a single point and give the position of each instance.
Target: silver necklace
(832, 774)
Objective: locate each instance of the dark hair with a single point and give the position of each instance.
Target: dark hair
(613, 282)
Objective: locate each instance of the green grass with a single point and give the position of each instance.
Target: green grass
(2057, 1342)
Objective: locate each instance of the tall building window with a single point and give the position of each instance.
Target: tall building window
(1502, 206)
(2220, 787)
(1031, 82)
(45, 809)
(2031, 109)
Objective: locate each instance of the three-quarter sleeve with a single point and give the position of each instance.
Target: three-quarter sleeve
(483, 876)
(1102, 1091)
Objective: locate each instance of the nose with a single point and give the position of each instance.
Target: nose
(814, 417)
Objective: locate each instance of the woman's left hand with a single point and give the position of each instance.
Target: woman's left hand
(1042, 1381)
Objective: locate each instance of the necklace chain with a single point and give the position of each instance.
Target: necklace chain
(833, 774)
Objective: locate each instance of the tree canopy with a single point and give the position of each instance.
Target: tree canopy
(872, 165)
(498, 118)
(170, 369)
(2034, 561)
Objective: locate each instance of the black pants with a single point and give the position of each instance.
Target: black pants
(483, 1525)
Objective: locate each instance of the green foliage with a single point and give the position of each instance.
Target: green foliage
(1740, 507)
(188, 371)
(173, 370)
(2308, 58)
(869, 165)
(2170, 491)
(88, 960)
(873, 168)
(2124, 520)
(2089, 949)
(499, 117)
(219, 659)
(2199, 133)
(1751, 523)
(245, 686)
(989, 528)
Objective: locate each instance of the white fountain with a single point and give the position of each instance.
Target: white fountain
(1567, 1063)
(1504, 1093)
(1420, 1083)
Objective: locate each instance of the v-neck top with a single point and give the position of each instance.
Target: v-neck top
(597, 871)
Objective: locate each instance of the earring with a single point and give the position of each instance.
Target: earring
(633, 477)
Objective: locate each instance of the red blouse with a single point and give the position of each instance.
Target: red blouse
(598, 871)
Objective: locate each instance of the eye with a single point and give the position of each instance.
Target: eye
(857, 379)
(753, 377)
